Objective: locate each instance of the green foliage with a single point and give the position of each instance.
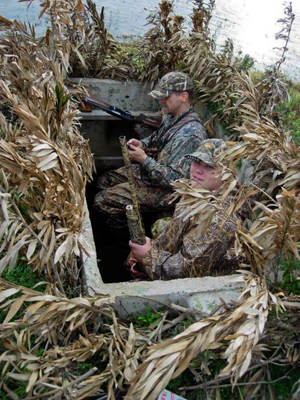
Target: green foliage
(289, 113)
(238, 165)
(21, 388)
(20, 275)
(40, 352)
(290, 282)
(226, 117)
(215, 108)
(83, 367)
(195, 374)
(188, 322)
(185, 379)
(23, 207)
(61, 98)
(61, 102)
(246, 61)
(18, 387)
(283, 388)
(131, 48)
(256, 77)
(80, 368)
(147, 319)
(2, 316)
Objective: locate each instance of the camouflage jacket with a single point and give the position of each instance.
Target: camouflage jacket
(180, 252)
(176, 137)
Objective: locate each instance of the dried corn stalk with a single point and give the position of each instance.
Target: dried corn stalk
(237, 333)
(163, 47)
(44, 159)
(70, 331)
(104, 56)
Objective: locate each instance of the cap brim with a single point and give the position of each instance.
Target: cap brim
(158, 95)
(208, 160)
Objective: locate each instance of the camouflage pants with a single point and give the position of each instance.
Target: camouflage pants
(114, 196)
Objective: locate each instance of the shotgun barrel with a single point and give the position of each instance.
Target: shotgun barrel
(119, 113)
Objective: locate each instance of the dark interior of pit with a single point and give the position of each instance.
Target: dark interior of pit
(112, 249)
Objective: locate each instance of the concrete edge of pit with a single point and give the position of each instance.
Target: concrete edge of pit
(133, 297)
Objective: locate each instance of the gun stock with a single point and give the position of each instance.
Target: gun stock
(117, 112)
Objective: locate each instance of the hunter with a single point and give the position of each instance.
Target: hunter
(180, 251)
(157, 157)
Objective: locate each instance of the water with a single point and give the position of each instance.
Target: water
(250, 23)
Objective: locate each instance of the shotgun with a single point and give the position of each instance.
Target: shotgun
(134, 219)
(87, 103)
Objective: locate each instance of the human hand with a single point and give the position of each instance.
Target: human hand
(131, 263)
(140, 250)
(135, 143)
(137, 154)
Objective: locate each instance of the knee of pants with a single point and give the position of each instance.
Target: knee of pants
(99, 200)
(102, 181)
(112, 178)
(108, 201)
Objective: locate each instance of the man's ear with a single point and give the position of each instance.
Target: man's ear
(185, 96)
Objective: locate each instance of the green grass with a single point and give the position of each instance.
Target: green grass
(283, 388)
(83, 367)
(187, 378)
(21, 275)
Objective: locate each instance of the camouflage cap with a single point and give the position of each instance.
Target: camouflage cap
(208, 151)
(172, 82)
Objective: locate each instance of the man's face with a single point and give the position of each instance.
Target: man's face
(204, 176)
(174, 104)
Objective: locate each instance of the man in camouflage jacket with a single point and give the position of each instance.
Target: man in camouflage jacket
(182, 250)
(159, 157)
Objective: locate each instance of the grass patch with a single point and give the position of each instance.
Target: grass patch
(283, 388)
(21, 275)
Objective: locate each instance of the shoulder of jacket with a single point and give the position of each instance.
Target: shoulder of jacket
(195, 126)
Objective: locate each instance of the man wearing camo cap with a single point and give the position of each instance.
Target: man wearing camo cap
(181, 250)
(158, 158)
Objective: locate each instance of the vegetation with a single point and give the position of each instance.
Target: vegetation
(290, 281)
(148, 319)
(289, 113)
(51, 342)
(21, 275)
